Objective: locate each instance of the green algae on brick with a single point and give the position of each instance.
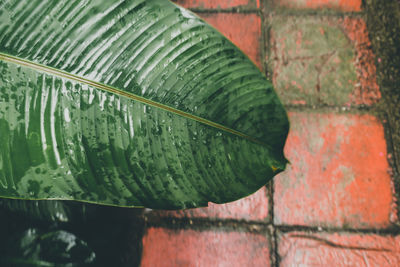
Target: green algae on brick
(312, 61)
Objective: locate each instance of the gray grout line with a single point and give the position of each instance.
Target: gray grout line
(281, 12)
(262, 41)
(316, 13)
(274, 238)
(394, 231)
(240, 10)
(258, 226)
(274, 253)
(332, 109)
(265, 52)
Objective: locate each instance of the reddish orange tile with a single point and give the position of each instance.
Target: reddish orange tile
(339, 173)
(164, 247)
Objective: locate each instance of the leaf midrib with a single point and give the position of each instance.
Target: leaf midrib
(111, 89)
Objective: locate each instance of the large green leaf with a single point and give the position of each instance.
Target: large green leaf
(130, 103)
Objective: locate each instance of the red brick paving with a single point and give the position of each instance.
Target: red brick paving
(338, 249)
(252, 208)
(164, 247)
(213, 4)
(338, 175)
(344, 5)
(244, 30)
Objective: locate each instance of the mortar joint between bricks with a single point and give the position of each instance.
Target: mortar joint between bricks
(359, 110)
(227, 10)
(393, 230)
(274, 255)
(316, 13)
(207, 224)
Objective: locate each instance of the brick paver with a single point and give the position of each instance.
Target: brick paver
(339, 173)
(322, 61)
(164, 247)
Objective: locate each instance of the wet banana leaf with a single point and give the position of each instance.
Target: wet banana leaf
(130, 103)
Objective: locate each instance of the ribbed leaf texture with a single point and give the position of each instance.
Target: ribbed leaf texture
(130, 103)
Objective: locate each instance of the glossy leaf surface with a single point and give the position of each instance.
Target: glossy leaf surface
(130, 103)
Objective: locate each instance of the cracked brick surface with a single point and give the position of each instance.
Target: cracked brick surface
(322, 61)
(338, 249)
